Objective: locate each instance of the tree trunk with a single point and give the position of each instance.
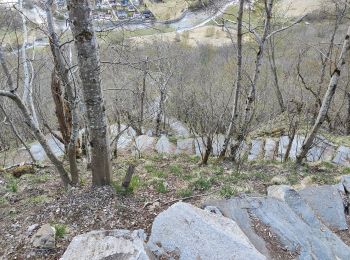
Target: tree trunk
(27, 86)
(259, 59)
(327, 100)
(160, 112)
(348, 116)
(272, 60)
(234, 114)
(208, 149)
(67, 114)
(90, 74)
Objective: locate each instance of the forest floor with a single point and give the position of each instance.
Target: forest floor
(158, 182)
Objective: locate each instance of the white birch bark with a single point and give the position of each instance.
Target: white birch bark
(27, 83)
(327, 99)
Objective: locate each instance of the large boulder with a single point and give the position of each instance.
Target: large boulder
(185, 232)
(327, 203)
(321, 150)
(270, 149)
(185, 146)
(44, 238)
(165, 146)
(296, 146)
(282, 147)
(108, 244)
(306, 213)
(342, 156)
(218, 143)
(144, 143)
(179, 129)
(38, 151)
(257, 150)
(199, 146)
(297, 232)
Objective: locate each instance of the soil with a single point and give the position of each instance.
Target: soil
(276, 250)
(40, 199)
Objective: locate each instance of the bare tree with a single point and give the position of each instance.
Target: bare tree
(29, 120)
(67, 114)
(327, 99)
(234, 114)
(90, 74)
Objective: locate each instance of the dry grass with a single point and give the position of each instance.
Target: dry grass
(169, 9)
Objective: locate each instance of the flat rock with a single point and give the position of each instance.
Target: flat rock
(185, 146)
(328, 205)
(191, 233)
(45, 237)
(339, 249)
(297, 233)
(165, 146)
(257, 150)
(270, 149)
(342, 156)
(236, 211)
(108, 244)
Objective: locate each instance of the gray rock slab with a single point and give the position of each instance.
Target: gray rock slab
(144, 143)
(321, 150)
(185, 146)
(256, 150)
(305, 212)
(345, 181)
(165, 146)
(293, 231)
(270, 149)
(199, 146)
(327, 203)
(218, 143)
(179, 128)
(45, 237)
(56, 146)
(235, 210)
(296, 146)
(282, 147)
(192, 233)
(108, 244)
(342, 156)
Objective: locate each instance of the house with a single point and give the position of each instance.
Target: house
(122, 14)
(124, 3)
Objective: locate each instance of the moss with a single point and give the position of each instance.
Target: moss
(18, 171)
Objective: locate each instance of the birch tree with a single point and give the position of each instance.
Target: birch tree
(90, 74)
(27, 84)
(327, 99)
(11, 93)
